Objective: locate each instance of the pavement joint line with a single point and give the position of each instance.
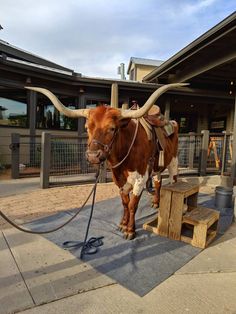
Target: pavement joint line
(17, 266)
(207, 272)
(94, 289)
(68, 296)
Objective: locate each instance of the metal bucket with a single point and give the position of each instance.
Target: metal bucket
(223, 197)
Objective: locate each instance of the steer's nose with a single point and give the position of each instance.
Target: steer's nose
(100, 155)
(95, 157)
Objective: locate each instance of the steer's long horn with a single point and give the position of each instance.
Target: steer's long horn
(56, 102)
(135, 114)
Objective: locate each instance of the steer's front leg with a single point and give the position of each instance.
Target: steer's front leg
(139, 182)
(133, 205)
(125, 219)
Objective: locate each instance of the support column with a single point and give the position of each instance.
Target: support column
(167, 108)
(233, 163)
(32, 102)
(114, 95)
(45, 160)
(204, 150)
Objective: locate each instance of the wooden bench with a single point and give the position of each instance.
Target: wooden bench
(199, 226)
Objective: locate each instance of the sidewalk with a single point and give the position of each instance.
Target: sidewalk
(36, 276)
(18, 186)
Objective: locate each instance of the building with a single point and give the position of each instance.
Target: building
(138, 68)
(208, 64)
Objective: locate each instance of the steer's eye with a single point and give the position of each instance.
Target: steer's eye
(112, 129)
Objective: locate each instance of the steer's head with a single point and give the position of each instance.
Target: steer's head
(103, 123)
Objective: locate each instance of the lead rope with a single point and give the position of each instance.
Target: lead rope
(131, 145)
(88, 247)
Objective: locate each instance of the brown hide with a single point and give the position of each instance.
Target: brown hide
(110, 138)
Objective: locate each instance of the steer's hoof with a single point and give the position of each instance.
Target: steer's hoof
(129, 236)
(122, 228)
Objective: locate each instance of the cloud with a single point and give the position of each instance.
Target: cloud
(95, 36)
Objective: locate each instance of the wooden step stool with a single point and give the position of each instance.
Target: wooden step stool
(202, 223)
(174, 198)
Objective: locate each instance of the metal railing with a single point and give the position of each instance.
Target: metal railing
(68, 163)
(62, 158)
(25, 155)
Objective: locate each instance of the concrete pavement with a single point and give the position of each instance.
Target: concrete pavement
(36, 276)
(18, 186)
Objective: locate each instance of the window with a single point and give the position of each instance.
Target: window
(48, 117)
(218, 125)
(13, 112)
(187, 123)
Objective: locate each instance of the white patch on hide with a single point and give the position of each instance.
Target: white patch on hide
(126, 188)
(173, 168)
(137, 181)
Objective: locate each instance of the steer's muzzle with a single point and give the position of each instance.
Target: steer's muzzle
(95, 156)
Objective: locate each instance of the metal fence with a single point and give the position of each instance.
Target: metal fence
(189, 152)
(62, 158)
(68, 163)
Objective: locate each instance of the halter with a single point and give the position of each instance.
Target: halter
(107, 147)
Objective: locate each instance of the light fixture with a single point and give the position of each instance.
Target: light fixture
(81, 90)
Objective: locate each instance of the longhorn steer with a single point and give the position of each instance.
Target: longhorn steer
(116, 136)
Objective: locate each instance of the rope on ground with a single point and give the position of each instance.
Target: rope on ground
(88, 247)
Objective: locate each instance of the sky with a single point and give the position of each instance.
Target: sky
(93, 37)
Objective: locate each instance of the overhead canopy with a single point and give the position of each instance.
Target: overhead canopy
(209, 61)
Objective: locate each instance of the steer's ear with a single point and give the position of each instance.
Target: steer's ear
(124, 122)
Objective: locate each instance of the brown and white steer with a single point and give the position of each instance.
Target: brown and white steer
(118, 137)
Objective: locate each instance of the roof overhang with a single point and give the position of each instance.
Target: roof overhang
(210, 58)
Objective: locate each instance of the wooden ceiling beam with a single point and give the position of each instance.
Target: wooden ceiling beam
(203, 66)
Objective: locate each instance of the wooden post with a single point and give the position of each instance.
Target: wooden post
(204, 150)
(114, 95)
(45, 160)
(103, 173)
(191, 149)
(15, 155)
(224, 153)
(233, 163)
